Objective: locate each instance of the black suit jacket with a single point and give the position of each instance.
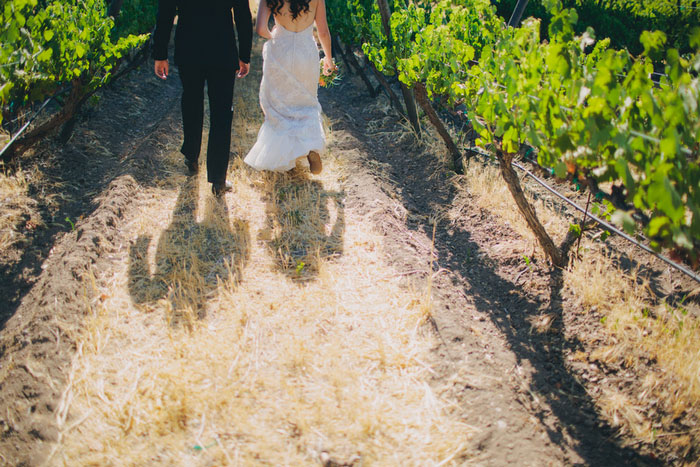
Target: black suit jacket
(205, 32)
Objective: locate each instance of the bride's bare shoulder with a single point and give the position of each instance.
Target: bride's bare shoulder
(305, 16)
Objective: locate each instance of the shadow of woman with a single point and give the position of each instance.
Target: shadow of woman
(191, 257)
(305, 223)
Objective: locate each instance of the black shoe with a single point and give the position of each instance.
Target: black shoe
(192, 166)
(218, 189)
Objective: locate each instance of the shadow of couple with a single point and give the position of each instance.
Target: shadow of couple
(191, 256)
(304, 224)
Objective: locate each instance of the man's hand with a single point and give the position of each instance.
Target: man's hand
(162, 68)
(243, 69)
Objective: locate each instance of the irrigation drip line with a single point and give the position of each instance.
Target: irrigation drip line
(29, 122)
(609, 226)
(600, 221)
(21, 117)
(58, 93)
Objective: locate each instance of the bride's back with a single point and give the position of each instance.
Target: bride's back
(304, 18)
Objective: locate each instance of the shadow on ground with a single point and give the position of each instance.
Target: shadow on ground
(191, 257)
(74, 171)
(305, 223)
(464, 251)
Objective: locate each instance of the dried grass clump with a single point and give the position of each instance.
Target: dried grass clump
(18, 210)
(644, 330)
(623, 414)
(596, 280)
(485, 185)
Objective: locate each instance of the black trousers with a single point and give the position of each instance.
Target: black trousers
(219, 83)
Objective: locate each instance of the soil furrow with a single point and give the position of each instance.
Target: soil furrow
(47, 289)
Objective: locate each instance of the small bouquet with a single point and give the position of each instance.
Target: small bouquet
(330, 80)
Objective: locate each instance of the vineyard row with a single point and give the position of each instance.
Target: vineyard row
(62, 52)
(592, 113)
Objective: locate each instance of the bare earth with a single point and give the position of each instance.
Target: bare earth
(529, 401)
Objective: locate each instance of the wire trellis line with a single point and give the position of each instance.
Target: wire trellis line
(600, 221)
(29, 122)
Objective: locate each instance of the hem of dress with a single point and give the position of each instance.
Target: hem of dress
(283, 168)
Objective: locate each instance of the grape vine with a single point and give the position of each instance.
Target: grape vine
(49, 46)
(590, 111)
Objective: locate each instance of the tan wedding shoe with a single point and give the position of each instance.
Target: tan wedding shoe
(315, 163)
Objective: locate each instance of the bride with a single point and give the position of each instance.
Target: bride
(288, 91)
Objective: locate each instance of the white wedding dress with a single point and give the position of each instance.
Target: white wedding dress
(289, 100)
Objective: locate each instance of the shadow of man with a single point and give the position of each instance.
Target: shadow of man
(305, 222)
(190, 257)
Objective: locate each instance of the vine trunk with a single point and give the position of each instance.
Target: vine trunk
(528, 212)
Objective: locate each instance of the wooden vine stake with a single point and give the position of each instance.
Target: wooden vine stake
(422, 98)
(411, 110)
(513, 182)
(351, 63)
(393, 98)
(74, 101)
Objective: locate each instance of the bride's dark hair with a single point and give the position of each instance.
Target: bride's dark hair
(296, 7)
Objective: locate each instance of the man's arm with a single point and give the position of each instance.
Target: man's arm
(244, 28)
(161, 36)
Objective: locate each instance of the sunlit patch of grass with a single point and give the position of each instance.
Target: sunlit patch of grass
(645, 330)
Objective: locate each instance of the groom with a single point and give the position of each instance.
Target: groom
(205, 52)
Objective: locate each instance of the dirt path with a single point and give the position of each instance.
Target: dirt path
(515, 385)
(511, 383)
(266, 328)
(304, 320)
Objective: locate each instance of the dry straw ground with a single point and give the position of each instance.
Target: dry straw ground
(16, 204)
(269, 328)
(19, 207)
(263, 329)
